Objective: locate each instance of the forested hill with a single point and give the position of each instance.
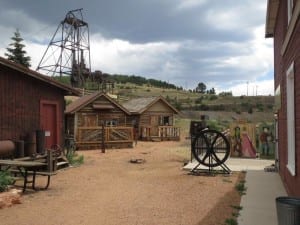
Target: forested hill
(123, 79)
(138, 80)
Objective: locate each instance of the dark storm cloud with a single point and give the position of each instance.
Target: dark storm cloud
(140, 20)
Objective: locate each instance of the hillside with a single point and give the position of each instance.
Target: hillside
(218, 107)
(187, 100)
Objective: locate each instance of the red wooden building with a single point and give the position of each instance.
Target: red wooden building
(30, 101)
(283, 25)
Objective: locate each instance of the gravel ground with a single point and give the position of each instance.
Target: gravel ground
(108, 189)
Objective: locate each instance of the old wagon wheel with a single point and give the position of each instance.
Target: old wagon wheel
(56, 150)
(210, 148)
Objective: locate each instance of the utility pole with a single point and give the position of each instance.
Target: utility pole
(247, 87)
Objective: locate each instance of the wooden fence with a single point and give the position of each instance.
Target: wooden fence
(113, 137)
(160, 133)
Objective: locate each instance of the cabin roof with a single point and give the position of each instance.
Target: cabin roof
(272, 11)
(31, 73)
(140, 105)
(87, 99)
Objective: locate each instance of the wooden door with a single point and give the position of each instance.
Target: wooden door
(154, 121)
(49, 122)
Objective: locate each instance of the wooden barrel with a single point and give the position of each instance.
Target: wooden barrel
(40, 141)
(30, 144)
(7, 149)
(19, 152)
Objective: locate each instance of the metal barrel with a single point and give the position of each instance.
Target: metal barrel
(288, 210)
(7, 149)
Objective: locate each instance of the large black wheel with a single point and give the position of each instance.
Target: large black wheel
(210, 148)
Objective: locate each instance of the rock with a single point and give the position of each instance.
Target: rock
(9, 198)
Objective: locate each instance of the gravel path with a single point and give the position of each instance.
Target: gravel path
(107, 189)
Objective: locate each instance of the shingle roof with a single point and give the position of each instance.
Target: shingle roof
(140, 105)
(83, 101)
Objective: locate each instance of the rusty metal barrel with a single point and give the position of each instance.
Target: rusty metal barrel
(7, 149)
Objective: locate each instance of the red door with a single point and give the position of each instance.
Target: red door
(49, 122)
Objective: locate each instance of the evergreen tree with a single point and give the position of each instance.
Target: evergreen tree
(16, 53)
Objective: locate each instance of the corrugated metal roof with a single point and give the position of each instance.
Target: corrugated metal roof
(68, 89)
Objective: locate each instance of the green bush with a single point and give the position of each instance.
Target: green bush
(5, 180)
(74, 159)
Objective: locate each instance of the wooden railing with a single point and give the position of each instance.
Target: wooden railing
(160, 132)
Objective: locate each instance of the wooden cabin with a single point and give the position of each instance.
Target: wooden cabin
(97, 121)
(154, 118)
(283, 25)
(30, 102)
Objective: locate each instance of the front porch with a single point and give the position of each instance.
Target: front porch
(160, 133)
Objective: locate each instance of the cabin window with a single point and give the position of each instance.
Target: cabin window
(290, 96)
(165, 121)
(111, 123)
(290, 6)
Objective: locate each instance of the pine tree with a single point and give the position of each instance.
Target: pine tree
(16, 53)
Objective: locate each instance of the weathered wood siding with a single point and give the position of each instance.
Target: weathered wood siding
(152, 123)
(88, 121)
(20, 97)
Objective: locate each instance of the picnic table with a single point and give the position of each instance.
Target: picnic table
(25, 169)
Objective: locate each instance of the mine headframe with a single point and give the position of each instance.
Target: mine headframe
(68, 53)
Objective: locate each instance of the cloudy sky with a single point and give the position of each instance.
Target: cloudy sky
(218, 42)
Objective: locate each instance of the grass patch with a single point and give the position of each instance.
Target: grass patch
(74, 159)
(231, 221)
(241, 188)
(237, 207)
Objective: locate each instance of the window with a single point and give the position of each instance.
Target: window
(165, 121)
(111, 123)
(290, 119)
(290, 5)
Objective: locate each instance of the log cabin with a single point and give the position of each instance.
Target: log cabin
(154, 118)
(97, 121)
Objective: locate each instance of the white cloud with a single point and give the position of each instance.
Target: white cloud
(123, 57)
(265, 87)
(189, 4)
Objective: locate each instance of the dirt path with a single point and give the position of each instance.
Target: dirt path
(109, 190)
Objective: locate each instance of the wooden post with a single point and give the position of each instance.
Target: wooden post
(103, 139)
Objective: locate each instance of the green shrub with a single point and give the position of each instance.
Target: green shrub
(5, 180)
(74, 159)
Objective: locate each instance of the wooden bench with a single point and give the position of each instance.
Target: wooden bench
(48, 170)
